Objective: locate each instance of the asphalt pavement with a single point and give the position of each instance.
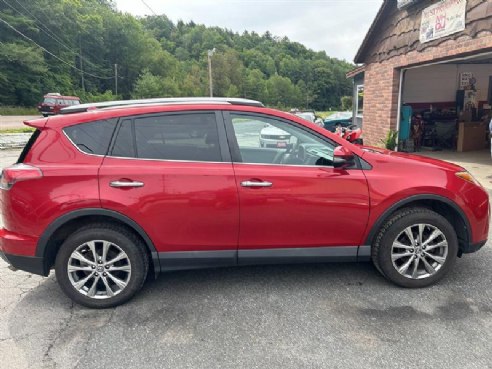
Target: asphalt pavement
(300, 316)
(15, 121)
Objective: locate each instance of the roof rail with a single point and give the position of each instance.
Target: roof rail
(161, 101)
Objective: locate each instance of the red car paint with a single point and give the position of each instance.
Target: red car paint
(198, 206)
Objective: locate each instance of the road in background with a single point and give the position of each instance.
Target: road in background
(299, 316)
(15, 121)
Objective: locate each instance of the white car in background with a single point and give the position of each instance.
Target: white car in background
(273, 137)
(310, 117)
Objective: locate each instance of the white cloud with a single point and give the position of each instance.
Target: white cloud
(335, 26)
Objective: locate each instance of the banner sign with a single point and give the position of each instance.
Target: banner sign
(442, 19)
(404, 3)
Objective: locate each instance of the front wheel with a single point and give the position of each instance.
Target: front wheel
(415, 248)
(101, 266)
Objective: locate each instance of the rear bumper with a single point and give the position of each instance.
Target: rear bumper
(31, 264)
(473, 247)
(19, 251)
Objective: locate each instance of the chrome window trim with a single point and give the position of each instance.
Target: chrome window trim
(169, 160)
(287, 165)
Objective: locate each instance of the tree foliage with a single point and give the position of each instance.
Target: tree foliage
(155, 58)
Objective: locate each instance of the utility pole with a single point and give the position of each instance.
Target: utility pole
(116, 79)
(81, 65)
(211, 86)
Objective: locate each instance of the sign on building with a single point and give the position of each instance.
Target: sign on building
(442, 19)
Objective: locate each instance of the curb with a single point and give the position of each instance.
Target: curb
(13, 140)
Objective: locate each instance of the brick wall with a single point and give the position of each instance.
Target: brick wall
(382, 80)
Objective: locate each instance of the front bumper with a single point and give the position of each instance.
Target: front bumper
(274, 143)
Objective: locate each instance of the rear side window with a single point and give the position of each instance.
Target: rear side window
(92, 138)
(189, 137)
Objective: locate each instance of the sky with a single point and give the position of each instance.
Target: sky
(335, 26)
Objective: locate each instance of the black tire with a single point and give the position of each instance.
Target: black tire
(398, 222)
(45, 115)
(126, 241)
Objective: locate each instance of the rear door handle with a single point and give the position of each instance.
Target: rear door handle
(256, 184)
(124, 184)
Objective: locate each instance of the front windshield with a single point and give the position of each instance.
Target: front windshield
(49, 100)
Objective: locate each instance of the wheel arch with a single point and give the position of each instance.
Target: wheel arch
(441, 205)
(54, 235)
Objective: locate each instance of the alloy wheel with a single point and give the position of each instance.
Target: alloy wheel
(419, 251)
(99, 269)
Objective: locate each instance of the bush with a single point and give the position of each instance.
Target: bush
(89, 97)
(346, 103)
(390, 140)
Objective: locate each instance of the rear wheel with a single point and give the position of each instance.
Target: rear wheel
(101, 266)
(415, 248)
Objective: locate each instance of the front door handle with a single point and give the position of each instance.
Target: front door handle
(125, 184)
(256, 184)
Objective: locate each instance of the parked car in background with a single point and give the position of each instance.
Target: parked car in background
(54, 102)
(310, 116)
(124, 192)
(344, 119)
(274, 137)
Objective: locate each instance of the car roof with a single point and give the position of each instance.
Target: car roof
(61, 96)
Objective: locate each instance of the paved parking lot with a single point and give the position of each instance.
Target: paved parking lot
(306, 316)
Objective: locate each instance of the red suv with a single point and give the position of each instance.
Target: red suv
(130, 189)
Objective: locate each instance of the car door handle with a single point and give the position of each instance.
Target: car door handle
(256, 184)
(124, 184)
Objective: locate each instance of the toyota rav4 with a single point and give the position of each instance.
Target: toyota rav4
(109, 193)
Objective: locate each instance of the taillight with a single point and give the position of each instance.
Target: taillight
(17, 173)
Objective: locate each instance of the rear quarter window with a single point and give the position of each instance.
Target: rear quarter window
(92, 138)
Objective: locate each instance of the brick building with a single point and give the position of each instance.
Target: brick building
(422, 54)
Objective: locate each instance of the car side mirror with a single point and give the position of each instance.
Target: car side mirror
(343, 157)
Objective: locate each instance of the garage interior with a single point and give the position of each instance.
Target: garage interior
(454, 100)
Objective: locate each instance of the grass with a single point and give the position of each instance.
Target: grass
(324, 114)
(17, 130)
(17, 110)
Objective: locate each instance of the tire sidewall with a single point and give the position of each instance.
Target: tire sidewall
(384, 257)
(133, 251)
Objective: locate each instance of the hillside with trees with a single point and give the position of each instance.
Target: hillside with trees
(72, 46)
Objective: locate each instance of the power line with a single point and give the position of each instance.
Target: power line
(50, 53)
(148, 6)
(42, 27)
(51, 34)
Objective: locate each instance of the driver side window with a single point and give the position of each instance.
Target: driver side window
(264, 140)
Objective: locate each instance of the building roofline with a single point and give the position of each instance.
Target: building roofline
(356, 71)
(360, 53)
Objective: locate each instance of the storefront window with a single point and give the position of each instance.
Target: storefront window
(360, 100)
